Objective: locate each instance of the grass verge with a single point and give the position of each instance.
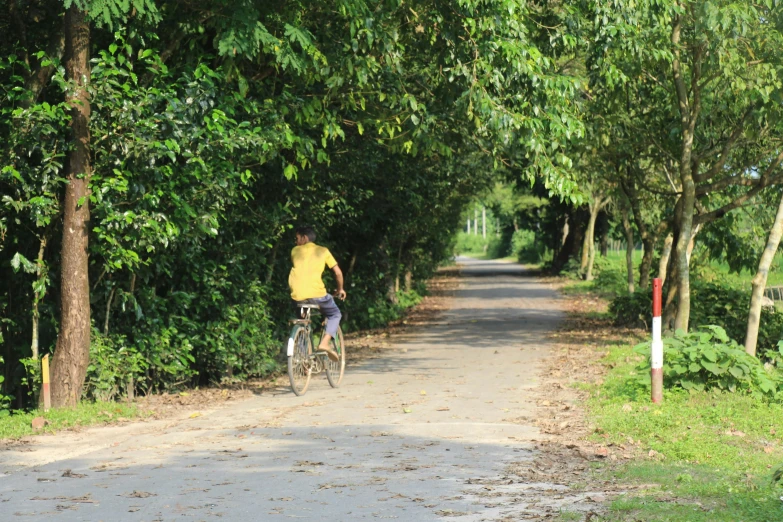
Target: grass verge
(705, 456)
(17, 425)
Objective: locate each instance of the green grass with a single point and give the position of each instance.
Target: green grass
(775, 277)
(17, 425)
(715, 452)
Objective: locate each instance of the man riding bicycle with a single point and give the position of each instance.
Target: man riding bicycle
(307, 287)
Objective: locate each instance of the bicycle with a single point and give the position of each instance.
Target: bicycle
(303, 361)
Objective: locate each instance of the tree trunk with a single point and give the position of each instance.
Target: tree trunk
(564, 235)
(408, 280)
(689, 113)
(648, 244)
(351, 266)
(484, 222)
(587, 241)
(576, 229)
(648, 239)
(760, 281)
(686, 232)
(69, 365)
(628, 250)
(692, 242)
(604, 234)
(590, 263)
(588, 246)
(270, 270)
(665, 253)
(108, 311)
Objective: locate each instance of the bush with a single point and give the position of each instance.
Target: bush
(5, 400)
(709, 359)
(497, 247)
(470, 244)
(241, 343)
(112, 364)
(526, 247)
(633, 310)
(712, 303)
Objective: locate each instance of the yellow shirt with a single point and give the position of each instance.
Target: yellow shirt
(305, 277)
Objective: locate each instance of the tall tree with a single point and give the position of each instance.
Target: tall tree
(760, 281)
(69, 365)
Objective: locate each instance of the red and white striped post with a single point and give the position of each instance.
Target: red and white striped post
(656, 371)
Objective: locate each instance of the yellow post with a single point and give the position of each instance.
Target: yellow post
(47, 398)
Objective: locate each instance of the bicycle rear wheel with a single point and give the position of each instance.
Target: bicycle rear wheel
(299, 360)
(335, 369)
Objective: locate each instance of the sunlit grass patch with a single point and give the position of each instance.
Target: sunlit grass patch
(705, 456)
(19, 424)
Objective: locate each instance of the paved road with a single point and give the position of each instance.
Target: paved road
(347, 454)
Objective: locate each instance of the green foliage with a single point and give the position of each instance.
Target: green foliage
(713, 303)
(708, 359)
(632, 309)
(470, 244)
(525, 247)
(5, 400)
(112, 366)
(32, 377)
(379, 313)
(111, 12)
(718, 303)
(216, 127)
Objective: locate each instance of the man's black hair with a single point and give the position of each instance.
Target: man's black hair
(306, 231)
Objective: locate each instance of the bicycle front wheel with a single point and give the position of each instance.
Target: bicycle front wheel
(335, 369)
(299, 352)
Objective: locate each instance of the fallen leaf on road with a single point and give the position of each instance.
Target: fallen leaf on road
(70, 474)
(140, 494)
(194, 415)
(443, 409)
(406, 410)
(422, 392)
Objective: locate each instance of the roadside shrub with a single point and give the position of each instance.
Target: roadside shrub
(526, 248)
(611, 275)
(708, 359)
(498, 247)
(5, 400)
(240, 343)
(470, 244)
(633, 310)
(112, 364)
(712, 303)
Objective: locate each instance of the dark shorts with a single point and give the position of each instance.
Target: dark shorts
(329, 309)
